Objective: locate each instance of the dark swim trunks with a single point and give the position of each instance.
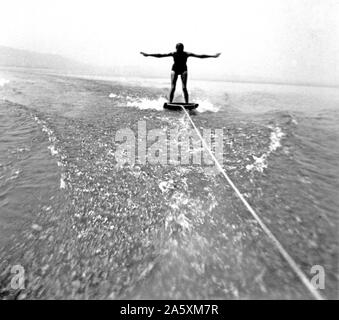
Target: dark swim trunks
(180, 59)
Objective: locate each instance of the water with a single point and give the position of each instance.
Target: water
(84, 226)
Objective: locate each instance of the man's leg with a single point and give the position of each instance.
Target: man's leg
(174, 78)
(184, 85)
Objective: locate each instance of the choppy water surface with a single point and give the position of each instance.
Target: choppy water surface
(84, 226)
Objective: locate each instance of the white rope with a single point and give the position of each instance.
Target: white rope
(268, 232)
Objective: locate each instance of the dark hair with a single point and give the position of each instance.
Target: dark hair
(179, 47)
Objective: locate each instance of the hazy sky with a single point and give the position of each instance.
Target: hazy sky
(292, 40)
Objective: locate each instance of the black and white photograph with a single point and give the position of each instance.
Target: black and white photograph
(169, 150)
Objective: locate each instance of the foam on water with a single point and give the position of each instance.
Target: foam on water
(276, 136)
(62, 182)
(113, 95)
(145, 103)
(181, 205)
(260, 163)
(3, 82)
(164, 186)
(206, 106)
(52, 148)
(157, 104)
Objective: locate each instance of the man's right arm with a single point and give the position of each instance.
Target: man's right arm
(156, 55)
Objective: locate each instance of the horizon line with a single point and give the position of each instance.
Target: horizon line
(197, 78)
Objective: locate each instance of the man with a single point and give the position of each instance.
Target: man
(179, 67)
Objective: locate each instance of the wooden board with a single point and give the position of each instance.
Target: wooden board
(179, 105)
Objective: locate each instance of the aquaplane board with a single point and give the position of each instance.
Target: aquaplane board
(179, 105)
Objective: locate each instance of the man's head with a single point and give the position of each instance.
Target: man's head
(179, 47)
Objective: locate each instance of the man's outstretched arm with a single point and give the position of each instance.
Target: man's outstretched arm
(203, 56)
(156, 55)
